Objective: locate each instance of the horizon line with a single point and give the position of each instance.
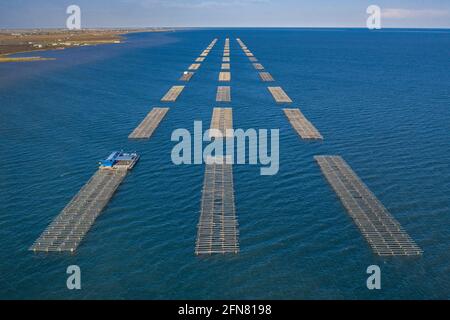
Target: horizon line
(218, 27)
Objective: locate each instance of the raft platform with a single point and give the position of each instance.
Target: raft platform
(258, 66)
(186, 76)
(225, 66)
(172, 94)
(146, 128)
(69, 228)
(222, 119)
(225, 76)
(223, 94)
(279, 95)
(265, 76)
(226, 59)
(194, 66)
(217, 230)
(304, 128)
(381, 230)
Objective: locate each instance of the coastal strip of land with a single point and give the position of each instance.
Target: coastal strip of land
(20, 41)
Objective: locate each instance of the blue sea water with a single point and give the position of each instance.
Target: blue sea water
(380, 99)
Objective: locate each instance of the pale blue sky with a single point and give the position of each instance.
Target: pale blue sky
(225, 13)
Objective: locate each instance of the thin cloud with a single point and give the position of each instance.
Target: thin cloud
(397, 13)
(196, 4)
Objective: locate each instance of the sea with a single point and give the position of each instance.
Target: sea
(381, 100)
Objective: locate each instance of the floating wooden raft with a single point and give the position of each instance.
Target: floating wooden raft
(149, 124)
(279, 95)
(212, 43)
(225, 66)
(200, 59)
(258, 66)
(381, 230)
(265, 76)
(70, 226)
(253, 59)
(186, 76)
(304, 128)
(217, 230)
(194, 66)
(226, 59)
(172, 94)
(223, 94)
(222, 119)
(204, 53)
(249, 54)
(225, 76)
(226, 54)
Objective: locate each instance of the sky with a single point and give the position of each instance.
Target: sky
(225, 13)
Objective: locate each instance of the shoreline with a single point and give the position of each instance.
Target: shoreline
(26, 41)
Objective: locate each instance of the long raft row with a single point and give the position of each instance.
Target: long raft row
(217, 230)
(218, 227)
(146, 128)
(70, 226)
(226, 48)
(187, 75)
(172, 94)
(279, 95)
(304, 128)
(298, 121)
(381, 230)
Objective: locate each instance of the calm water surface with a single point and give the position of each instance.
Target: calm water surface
(380, 99)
